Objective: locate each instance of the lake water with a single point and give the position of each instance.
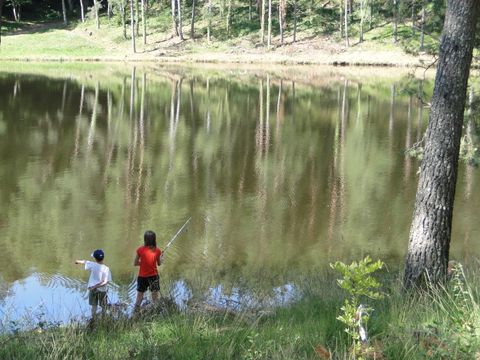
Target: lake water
(280, 171)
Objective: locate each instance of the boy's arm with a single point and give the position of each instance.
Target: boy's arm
(80, 262)
(136, 262)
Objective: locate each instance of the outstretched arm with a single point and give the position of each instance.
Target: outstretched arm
(80, 262)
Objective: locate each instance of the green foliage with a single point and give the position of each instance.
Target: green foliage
(358, 282)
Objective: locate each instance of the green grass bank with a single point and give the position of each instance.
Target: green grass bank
(317, 41)
(435, 324)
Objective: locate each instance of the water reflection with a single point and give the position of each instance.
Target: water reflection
(277, 174)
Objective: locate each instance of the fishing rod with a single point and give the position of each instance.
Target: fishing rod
(175, 236)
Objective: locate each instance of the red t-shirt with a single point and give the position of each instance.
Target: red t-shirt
(148, 260)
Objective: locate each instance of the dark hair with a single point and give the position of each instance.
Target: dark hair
(150, 239)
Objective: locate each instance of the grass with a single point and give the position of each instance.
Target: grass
(441, 323)
(317, 33)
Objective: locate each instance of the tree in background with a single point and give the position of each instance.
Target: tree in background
(16, 6)
(430, 232)
(1, 8)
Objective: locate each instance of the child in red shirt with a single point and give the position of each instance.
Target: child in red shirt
(148, 257)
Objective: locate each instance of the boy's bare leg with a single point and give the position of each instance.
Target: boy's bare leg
(154, 296)
(94, 311)
(138, 301)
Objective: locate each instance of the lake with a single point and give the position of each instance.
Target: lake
(282, 171)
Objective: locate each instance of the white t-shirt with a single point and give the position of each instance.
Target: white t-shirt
(98, 273)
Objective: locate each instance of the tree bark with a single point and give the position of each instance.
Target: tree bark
(97, 6)
(1, 8)
(262, 21)
(269, 40)
(144, 23)
(209, 27)
(179, 12)
(395, 21)
(430, 232)
(295, 21)
(137, 20)
(229, 12)
(82, 11)
(422, 31)
(174, 19)
(347, 43)
(192, 25)
(132, 25)
(282, 17)
(64, 13)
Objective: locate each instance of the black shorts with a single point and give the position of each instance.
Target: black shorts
(152, 282)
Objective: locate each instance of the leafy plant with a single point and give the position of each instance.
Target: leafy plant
(359, 283)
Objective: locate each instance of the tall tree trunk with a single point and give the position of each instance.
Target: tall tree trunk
(422, 28)
(269, 40)
(1, 8)
(137, 18)
(174, 18)
(250, 10)
(109, 10)
(362, 17)
(229, 12)
(347, 43)
(82, 11)
(192, 25)
(395, 21)
(282, 16)
(262, 21)
(179, 12)
(144, 23)
(132, 24)
(340, 4)
(430, 232)
(64, 13)
(414, 17)
(124, 20)
(209, 27)
(294, 20)
(97, 9)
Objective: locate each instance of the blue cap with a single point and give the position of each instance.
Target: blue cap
(98, 254)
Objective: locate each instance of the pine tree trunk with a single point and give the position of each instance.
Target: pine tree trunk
(1, 13)
(229, 12)
(192, 25)
(262, 21)
(282, 16)
(97, 6)
(64, 13)
(137, 18)
(82, 11)
(414, 18)
(124, 20)
(295, 21)
(340, 3)
(422, 31)
(209, 28)
(347, 43)
(395, 21)
(179, 12)
(430, 232)
(362, 17)
(144, 23)
(174, 19)
(269, 40)
(132, 24)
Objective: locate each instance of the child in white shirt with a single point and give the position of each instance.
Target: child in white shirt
(100, 276)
